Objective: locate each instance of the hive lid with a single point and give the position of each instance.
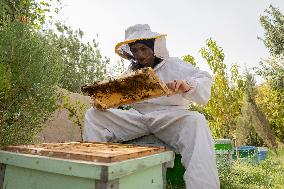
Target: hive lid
(94, 152)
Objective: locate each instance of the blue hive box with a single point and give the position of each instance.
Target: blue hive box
(262, 153)
(246, 154)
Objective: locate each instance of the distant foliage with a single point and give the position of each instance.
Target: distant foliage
(253, 128)
(226, 94)
(190, 59)
(273, 24)
(271, 103)
(117, 68)
(83, 62)
(270, 95)
(34, 12)
(272, 70)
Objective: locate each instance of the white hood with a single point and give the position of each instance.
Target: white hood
(140, 32)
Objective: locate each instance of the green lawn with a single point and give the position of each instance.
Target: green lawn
(265, 175)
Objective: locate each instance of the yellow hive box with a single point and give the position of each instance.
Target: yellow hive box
(126, 89)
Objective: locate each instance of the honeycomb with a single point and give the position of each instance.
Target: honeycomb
(133, 87)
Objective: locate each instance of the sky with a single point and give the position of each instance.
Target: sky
(233, 24)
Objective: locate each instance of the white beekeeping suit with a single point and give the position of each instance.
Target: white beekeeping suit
(165, 117)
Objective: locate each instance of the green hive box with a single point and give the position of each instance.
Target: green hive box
(223, 144)
(224, 151)
(133, 170)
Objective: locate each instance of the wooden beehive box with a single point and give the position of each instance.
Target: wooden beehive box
(126, 89)
(83, 165)
(88, 151)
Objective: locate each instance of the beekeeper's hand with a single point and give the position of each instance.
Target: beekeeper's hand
(98, 105)
(178, 86)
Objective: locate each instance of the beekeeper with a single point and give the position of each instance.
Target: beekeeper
(166, 117)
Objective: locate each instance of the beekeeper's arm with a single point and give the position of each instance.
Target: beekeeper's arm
(195, 87)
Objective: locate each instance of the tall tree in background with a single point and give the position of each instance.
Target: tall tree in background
(252, 125)
(272, 70)
(226, 94)
(272, 105)
(273, 24)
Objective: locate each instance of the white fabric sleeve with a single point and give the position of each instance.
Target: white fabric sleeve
(201, 83)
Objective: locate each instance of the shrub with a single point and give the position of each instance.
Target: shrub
(31, 67)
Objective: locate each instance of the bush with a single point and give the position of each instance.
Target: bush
(30, 67)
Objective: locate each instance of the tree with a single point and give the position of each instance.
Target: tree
(270, 97)
(83, 62)
(271, 103)
(33, 12)
(226, 94)
(252, 122)
(273, 24)
(190, 59)
(272, 70)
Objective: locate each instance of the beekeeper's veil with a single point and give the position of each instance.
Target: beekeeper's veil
(142, 32)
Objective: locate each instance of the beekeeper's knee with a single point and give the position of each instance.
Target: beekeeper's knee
(196, 120)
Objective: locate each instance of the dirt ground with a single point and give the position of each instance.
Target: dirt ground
(59, 128)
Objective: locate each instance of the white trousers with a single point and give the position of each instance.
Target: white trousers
(184, 130)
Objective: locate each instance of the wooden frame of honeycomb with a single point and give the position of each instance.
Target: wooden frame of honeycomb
(129, 88)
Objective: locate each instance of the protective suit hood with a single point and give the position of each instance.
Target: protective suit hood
(141, 32)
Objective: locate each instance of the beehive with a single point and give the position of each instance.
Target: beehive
(126, 89)
(87, 151)
(83, 165)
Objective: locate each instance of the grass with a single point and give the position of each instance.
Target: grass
(268, 174)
